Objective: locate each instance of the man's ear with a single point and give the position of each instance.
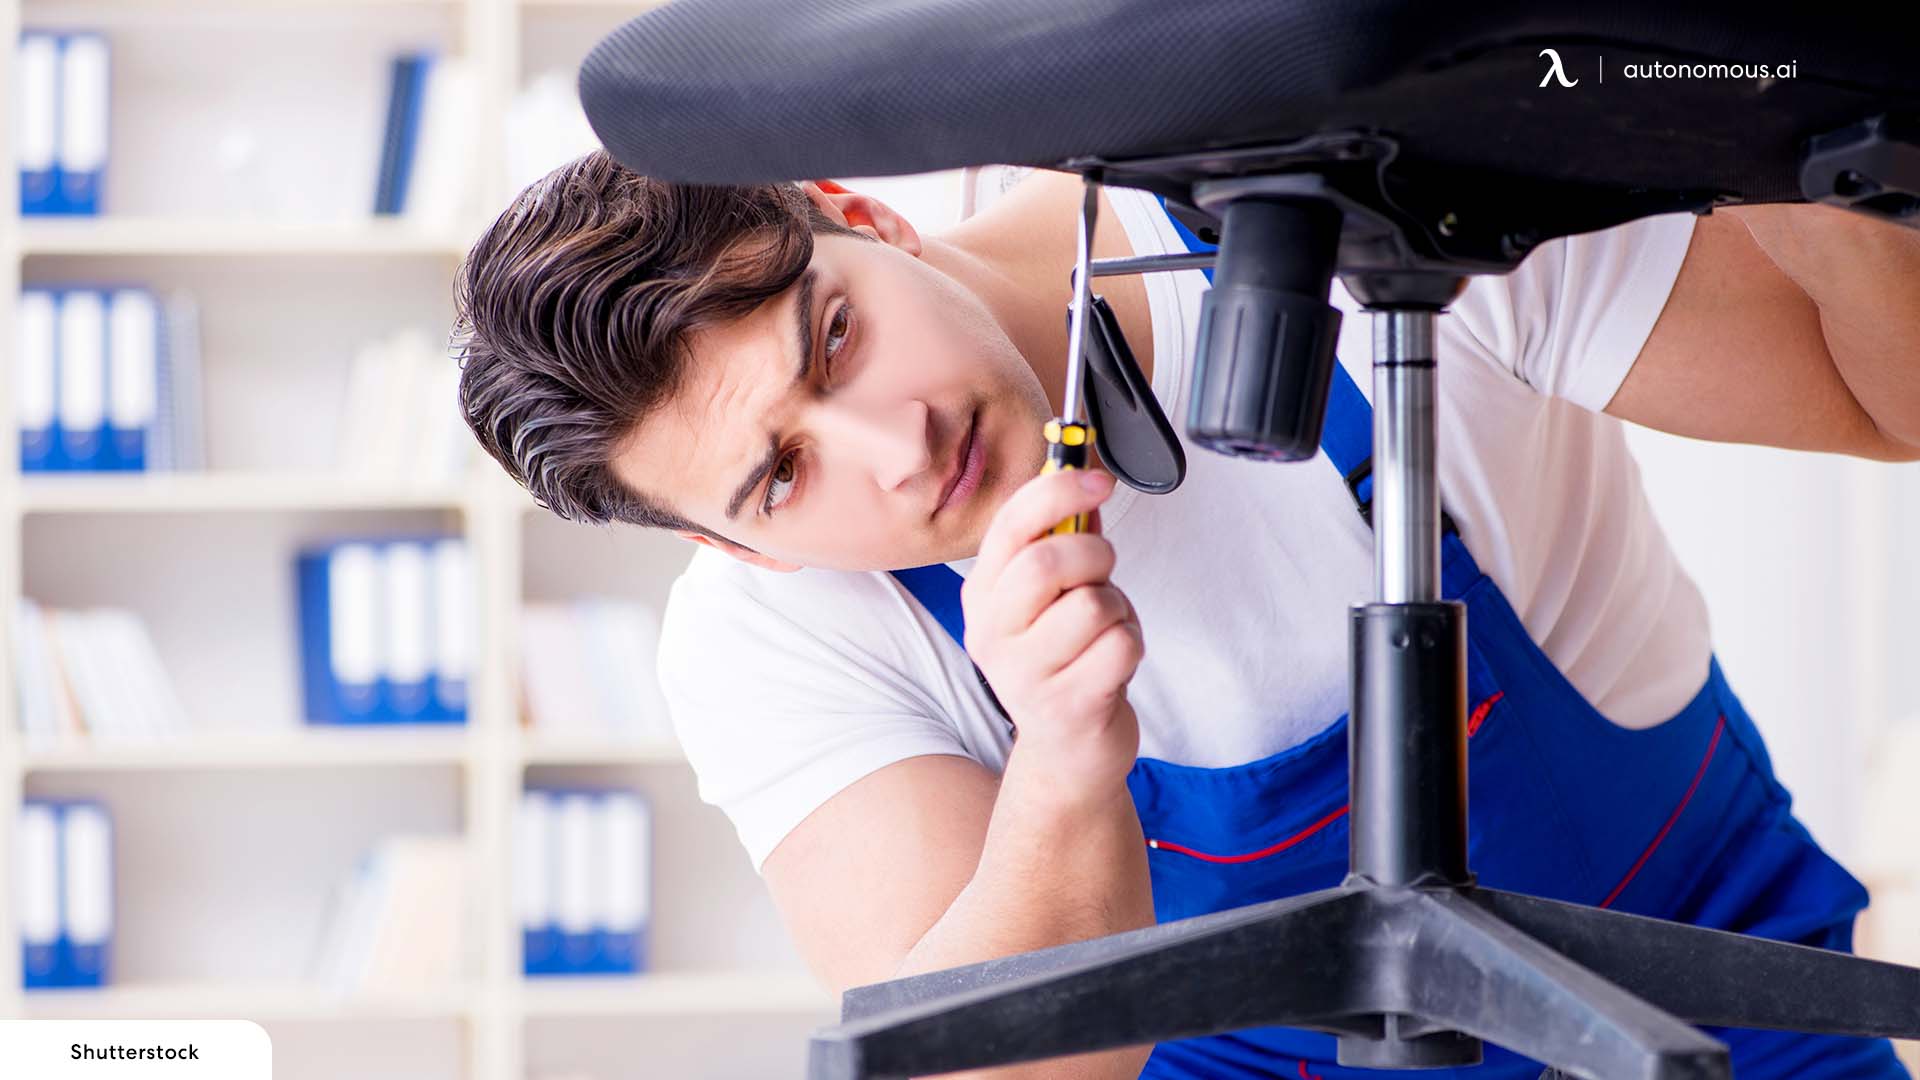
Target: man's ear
(744, 554)
(863, 213)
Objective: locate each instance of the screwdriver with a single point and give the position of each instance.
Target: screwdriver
(1067, 435)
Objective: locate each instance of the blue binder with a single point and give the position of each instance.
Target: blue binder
(38, 894)
(66, 860)
(368, 648)
(406, 86)
(339, 664)
(406, 592)
(533, 863)
(87, 917)
(82, 381)
(37, 64)
(453, 612)
(132, 346)
(419, 67)
(593, 846)
(620, 936)
(38, 385)
(85, 97)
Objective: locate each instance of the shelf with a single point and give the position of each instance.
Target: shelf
(677, 994)
(599, 750)
(292, 750)
(244, 1001)
(231, 237)
(172, 493)
(637, 7)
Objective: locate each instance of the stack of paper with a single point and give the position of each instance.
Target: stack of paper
(588, 668)
(398, 923)
(91, 672)
(401, 417)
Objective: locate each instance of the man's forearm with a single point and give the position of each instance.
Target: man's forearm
(1057, 867)
(1864, 275)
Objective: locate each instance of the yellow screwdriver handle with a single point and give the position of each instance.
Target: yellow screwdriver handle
(1067, 443)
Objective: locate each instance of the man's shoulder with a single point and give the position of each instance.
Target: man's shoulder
(717, 593)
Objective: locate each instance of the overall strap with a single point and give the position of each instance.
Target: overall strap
(937, 587)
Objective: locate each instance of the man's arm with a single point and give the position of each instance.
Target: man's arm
(932, 862)
(1795, 326)
(896, 875)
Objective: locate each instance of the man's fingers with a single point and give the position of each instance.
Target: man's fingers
(1066, 628)
(1039, 505)
(1038, 573)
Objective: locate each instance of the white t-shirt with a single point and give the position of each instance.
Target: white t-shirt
(786, 688)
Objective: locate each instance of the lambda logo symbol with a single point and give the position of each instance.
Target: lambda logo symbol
(1554, 70)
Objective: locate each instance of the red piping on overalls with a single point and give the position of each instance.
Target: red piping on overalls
(1473, 725)
(1712, 744)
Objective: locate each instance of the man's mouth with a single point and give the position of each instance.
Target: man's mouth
(969, 463)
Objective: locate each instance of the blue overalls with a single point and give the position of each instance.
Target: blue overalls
(1683, 821)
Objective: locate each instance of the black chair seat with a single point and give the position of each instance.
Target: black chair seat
(734, 91)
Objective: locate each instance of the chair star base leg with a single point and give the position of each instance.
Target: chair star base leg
(1407, 978)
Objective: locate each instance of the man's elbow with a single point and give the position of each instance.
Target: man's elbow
(1887, 447)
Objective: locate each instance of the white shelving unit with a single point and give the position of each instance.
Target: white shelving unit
(228, 842)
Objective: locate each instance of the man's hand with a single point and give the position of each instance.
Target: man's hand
(1054, 637)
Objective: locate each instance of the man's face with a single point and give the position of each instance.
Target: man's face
(859, 460)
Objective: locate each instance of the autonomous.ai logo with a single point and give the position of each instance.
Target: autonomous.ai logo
(1554, 70)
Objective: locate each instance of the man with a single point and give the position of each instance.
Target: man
(794, 379)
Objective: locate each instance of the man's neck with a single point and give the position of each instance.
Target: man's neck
(1018, 254)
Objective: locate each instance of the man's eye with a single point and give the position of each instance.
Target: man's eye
(838, 329)
(781, 484)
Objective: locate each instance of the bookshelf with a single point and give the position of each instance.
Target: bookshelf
(228, 841)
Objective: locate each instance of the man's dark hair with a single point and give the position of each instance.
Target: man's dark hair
(573, 310)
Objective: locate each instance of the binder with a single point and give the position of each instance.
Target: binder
(64, 866)
(37, 121)
(419, 67)
(35, 384)
(390, 135)
(407, 632)
(340, 628)
(81, 362)
(86, 852)
(74, 642)
(178, 436)
(405, 83)
(37, 870)
(453, 596)
(84, 106)
(439, 192)
(574, 905)
(133, 338)
(583, 881)
(534, 865)
(625, 843)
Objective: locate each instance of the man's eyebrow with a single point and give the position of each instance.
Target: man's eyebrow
(803, 321)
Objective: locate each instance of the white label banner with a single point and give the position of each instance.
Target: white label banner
(135, 1049)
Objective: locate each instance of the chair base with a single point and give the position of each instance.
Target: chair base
(1405, 977)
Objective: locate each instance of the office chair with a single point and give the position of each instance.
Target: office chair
(1403, 146)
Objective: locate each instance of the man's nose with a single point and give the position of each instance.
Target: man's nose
(888, 438)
